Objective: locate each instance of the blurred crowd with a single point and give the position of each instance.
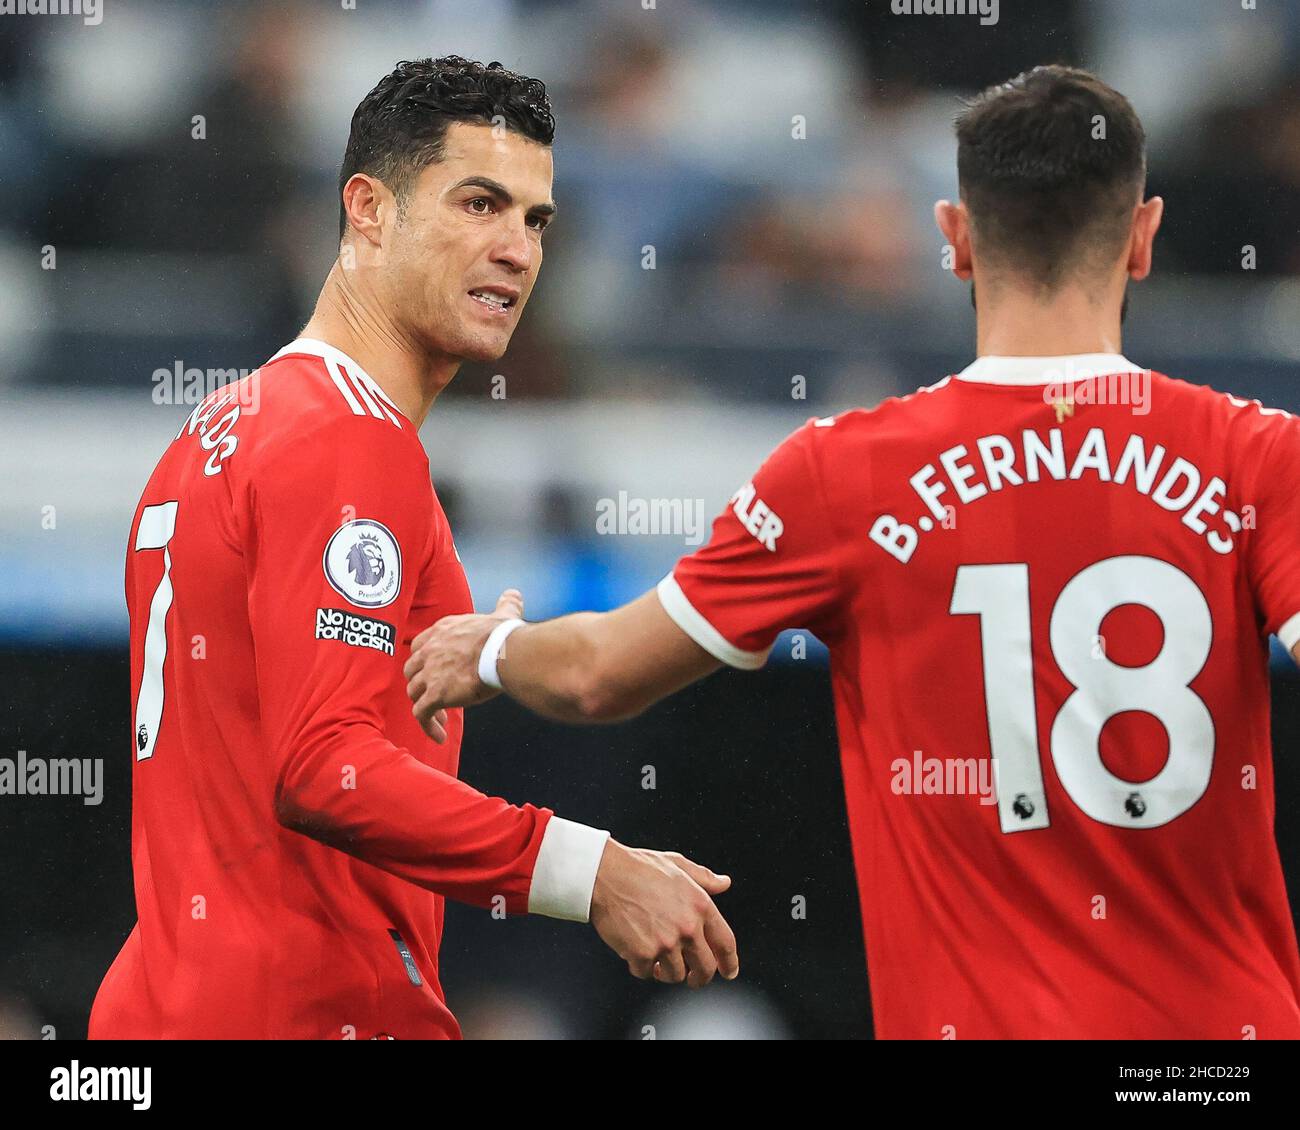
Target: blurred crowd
(745, 188)
(745, 192)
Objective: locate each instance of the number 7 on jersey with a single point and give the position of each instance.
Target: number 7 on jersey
(157, 525)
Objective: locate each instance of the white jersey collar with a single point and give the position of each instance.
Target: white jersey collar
(333, 355)
(315, 348)
(1046, 370)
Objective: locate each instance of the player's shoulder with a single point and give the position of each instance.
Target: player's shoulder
(1167, 393)
(316, 401)
(323, 386)
(844, 430)
(1245, 423)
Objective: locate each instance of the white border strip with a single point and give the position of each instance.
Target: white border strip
(341, 383)
(683, 613)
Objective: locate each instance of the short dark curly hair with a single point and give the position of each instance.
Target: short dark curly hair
(1050, 166)
(399, 127)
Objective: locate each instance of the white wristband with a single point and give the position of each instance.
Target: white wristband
(487, 658)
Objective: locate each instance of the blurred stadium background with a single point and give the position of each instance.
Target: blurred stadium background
(706, 256)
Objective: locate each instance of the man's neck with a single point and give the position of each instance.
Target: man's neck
(397, 363)
(1072, 321)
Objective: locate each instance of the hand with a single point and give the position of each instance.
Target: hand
(653, 909)
(443, 668)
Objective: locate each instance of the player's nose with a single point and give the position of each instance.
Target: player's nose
(514, 251)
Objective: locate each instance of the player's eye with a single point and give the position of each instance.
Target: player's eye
(483, 200)
(538, 223)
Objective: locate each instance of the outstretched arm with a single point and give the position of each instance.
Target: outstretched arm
(774, 560)
(651, 908)
(587, 667)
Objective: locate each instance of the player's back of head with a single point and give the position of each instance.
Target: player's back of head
(1050, 167)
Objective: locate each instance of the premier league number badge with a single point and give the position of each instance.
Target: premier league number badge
(364, 563)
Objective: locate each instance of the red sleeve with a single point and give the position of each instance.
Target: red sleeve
(771, 563)
(342, 518)
(1272, 517)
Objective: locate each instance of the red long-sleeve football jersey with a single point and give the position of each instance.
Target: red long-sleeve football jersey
(1046, 585)
(293, 830)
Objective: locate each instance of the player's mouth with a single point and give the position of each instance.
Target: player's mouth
(496, 300)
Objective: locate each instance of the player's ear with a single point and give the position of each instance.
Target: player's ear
(365, 200)
(1146, 222)
(954, 224)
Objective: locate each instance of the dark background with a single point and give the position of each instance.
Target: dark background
(748, 782)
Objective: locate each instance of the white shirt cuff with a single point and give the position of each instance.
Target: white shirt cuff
(565, 873)
(1289, 633)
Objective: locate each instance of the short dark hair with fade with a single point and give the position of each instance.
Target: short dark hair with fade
(1050, 166)
(399, 127)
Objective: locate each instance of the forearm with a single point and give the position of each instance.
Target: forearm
(557, 669)
(356, 792)
(600, 667)
(587, 667)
